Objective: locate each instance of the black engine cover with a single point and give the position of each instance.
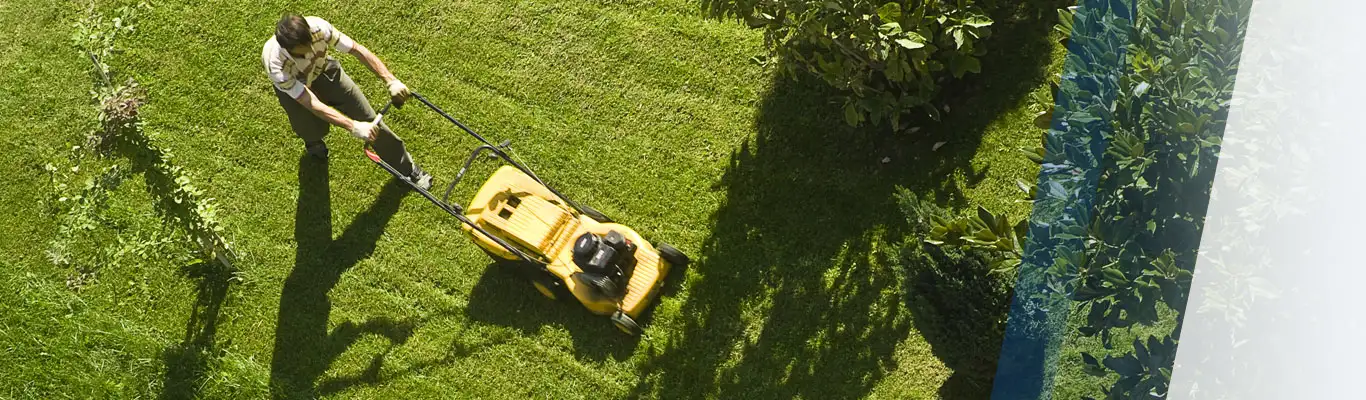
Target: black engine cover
(584, 248)
(605, 260)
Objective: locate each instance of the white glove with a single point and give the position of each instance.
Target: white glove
(398, 92)
(365, 130)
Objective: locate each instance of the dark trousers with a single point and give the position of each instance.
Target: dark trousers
(335, 88)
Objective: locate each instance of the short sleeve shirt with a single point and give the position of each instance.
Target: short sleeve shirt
(290, 74)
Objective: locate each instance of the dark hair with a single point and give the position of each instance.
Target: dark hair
(292, 30)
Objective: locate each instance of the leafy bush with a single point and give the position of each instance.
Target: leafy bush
(959, 305)
(925, 251)
(887, 56)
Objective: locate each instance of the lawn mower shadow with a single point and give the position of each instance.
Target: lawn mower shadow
(502, 297)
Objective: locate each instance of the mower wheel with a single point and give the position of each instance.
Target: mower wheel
(624, 323)
(552, 288)
(672, 255)
(595, 214)
(545, 291)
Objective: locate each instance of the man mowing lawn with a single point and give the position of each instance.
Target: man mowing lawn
(316, 93)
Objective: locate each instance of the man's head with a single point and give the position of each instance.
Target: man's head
(293, 34)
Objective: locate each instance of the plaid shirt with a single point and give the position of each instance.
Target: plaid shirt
(290, 74)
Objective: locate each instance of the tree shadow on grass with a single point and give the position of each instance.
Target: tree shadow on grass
(960, 309)
(504, 297)
(304, 347)
(794, 293)
(187, 363)
(121, 139)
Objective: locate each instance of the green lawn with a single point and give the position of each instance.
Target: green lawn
(353, 288)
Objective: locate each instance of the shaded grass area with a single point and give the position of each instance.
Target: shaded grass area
(354, 288)
(798, 295)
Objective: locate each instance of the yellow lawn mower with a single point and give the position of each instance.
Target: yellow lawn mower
(568, 251)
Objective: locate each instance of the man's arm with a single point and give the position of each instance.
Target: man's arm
(366, 57)
(334, 117)
(398, 92)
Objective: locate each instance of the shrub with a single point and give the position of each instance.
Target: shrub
(887, 57)
(960, 306)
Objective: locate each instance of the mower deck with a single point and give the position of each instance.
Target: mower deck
(516, 207)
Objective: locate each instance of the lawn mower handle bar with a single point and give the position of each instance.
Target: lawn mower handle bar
(456, 211)
(499, 150)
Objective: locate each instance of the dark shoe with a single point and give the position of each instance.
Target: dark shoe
(420, 178)
(316, 149)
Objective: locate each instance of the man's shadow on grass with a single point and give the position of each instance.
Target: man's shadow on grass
(797, 292)
(304, 347)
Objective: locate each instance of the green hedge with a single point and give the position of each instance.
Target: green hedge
(887, 57)
(1162, 127)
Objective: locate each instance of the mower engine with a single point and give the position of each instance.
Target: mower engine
(606, 261)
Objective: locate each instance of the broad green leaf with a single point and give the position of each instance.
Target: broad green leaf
(939, 221)
(1157, 353)
(1097, 314)
(985, 216)
(909, 44)
(1067, 236)
(1044, 120)
(1177, 13)
(852, 115)
(972, 64)
(890, 28)
(1092, 366)
(978, 21)
(1005, 265)
(1141, 89)
(934, 66)
(916, 18)
(1141, 353)
(1086, 293)
(1081, 118)
(960, 65)
(1127, 365)
(890, 12)
(1172, 294)
(1064, 22)
(1114, 276)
